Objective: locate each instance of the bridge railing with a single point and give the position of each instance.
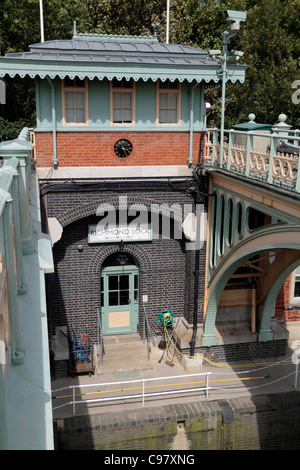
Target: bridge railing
(270, 157)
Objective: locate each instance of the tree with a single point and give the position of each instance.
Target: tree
(272, 53)
(269, 40)
(20, 27)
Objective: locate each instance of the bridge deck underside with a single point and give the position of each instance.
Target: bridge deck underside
(253, 246)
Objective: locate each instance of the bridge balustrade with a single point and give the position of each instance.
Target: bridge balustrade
(275, 162)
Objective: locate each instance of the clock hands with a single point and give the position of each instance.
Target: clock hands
(126, 151)
(123, 148)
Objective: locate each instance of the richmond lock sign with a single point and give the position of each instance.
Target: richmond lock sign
(98, 234)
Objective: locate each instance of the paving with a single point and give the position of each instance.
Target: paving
(119, 388)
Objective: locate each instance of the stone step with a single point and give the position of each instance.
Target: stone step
(122, 354)
(127, 338)
(125, 350)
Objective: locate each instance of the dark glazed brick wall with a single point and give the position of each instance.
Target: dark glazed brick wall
(166, 268)
(242, 351)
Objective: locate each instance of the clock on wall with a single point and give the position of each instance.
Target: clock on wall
(123, 148)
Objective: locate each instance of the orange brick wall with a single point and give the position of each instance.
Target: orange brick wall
(97, 149)
(282, 303)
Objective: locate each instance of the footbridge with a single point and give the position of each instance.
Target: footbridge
(253, 239)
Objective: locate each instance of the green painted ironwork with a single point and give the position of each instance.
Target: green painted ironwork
(234, 259)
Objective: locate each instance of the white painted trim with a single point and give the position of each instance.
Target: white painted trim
(114, 172)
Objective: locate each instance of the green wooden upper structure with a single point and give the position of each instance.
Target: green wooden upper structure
(103, 58)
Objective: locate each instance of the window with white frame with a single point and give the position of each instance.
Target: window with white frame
(122, 102)
(168, 103)
(75, 102)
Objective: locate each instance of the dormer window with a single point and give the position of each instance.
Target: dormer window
(122, 94)
(75, 102)
(168, 103)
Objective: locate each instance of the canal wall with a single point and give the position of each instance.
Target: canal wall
(265, 422)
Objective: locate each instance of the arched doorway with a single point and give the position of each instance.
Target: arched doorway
(119, 294)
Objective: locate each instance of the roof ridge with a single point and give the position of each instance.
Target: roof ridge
(114, 37)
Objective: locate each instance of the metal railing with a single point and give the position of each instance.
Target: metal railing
(271, 162)
(146, 331)
(141, 389)
(100, 336)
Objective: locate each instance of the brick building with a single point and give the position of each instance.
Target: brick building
(120, 124)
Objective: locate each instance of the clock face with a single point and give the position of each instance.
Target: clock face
(123, 148)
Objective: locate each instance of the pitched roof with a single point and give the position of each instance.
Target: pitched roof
(115, 56)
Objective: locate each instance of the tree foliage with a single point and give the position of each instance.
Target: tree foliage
(270, 42)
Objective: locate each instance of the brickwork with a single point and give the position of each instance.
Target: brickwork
(77, 149)
(165, 266)
(242, 351)
(265, 422)
(283, 308)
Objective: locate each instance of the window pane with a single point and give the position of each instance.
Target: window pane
(297, 287)
(117, 83)
(78, 83)
(172, 116)
(117, 100)
(124, 297)
(113, 283)
(127, 115)
(79, 100)
(113, 298)
(163, 100)
(127, 83)
(117, 117)
(164, 84)
(69, 82)
(80, 115)
(169, 85)
(173, 85)
(127, 100)
(124, 282)
(163, 116)
(173, 100)
(69, 99)
(70, 115)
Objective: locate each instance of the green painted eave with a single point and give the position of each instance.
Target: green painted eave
(35, 68)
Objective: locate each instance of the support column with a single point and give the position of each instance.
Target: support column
(17, 355)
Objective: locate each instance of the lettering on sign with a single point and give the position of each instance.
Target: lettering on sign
(134, 233)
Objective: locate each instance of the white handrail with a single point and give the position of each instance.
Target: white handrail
(275, 165)
(142, 395)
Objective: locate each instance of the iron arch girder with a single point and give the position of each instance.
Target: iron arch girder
(283, 237)
(252, 244)
(223, 231)
(270, 299)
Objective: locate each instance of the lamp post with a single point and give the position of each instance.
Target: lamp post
(42, 21)
(235, 18)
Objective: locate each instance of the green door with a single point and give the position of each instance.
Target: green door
(119, 286)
